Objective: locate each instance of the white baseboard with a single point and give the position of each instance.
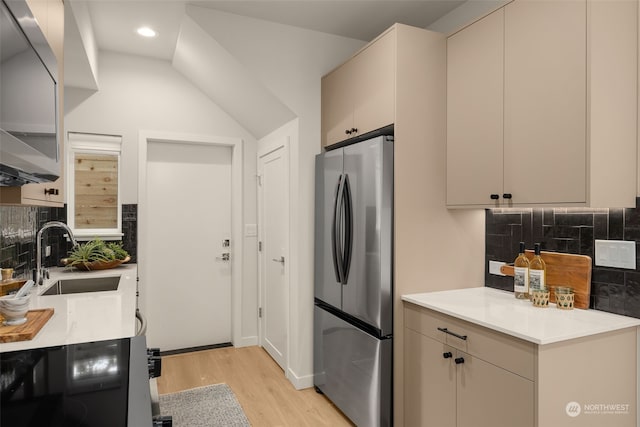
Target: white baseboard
(246, 342)
(299, 383)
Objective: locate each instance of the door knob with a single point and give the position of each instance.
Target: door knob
(224, 257)
(281, 259)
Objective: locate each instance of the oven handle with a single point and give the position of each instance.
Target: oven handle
(143, 323)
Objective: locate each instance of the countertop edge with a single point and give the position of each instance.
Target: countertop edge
(71, 323)
(624, 322)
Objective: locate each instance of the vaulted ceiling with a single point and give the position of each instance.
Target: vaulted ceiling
(189, 41)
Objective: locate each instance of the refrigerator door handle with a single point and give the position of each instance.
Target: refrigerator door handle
(348, 232)
(335, 232)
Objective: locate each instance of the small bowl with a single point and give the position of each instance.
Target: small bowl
(540, 298)
(14, 310)
(565, 300)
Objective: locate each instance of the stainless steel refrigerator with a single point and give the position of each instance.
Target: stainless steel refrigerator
(353, 312)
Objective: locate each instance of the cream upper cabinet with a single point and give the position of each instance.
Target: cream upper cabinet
(50, 17)
(545, 101)
(553, 84)
(337, 104)
(359, 96)
(475, 62)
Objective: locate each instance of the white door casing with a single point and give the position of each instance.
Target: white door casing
(178, 269)
(273, 217)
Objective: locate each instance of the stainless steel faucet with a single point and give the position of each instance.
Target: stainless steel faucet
(40, 271)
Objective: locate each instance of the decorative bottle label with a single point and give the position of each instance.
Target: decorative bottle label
(536, 279)
(521, 279)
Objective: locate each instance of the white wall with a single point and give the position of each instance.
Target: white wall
(290, 62)
(141, 93)
(80, 47)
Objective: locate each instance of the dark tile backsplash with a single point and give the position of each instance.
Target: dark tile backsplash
(130, 230)
(570, 230)
(20, 225)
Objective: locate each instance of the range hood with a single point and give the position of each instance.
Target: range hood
(28, 99)
(21, 164)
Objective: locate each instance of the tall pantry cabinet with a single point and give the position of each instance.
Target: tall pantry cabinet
(542, 106)
(50, 17)
(399, 79)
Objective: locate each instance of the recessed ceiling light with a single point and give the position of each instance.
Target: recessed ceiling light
(146, 32)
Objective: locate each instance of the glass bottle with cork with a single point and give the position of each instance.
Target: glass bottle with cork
(537, 271)
(521, 275)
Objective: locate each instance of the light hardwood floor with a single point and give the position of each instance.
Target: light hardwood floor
(266, 396)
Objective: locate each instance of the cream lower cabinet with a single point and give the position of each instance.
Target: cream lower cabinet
(461, 374)
(541, 106)
(448, 387)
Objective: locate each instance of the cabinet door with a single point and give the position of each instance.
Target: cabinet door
(545, 101)
(489, 396)
(337, 104)
(429, 382)
(475, 113)
(374, 84)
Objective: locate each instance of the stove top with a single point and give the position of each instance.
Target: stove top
(73, 385)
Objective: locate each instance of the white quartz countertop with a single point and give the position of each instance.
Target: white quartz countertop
(500, 311)
(84, 317)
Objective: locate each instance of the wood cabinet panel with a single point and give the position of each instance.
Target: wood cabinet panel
(475, 58)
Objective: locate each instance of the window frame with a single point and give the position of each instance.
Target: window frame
(89, 143)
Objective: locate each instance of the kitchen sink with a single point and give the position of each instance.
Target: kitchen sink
(78, 286)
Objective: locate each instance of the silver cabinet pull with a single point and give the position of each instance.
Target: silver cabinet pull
(225, 257)
(279, 260)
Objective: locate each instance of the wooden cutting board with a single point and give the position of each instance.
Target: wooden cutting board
(11, 285)
(564, 270)
(36, 319)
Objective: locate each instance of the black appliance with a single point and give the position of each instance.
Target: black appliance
(102, 383)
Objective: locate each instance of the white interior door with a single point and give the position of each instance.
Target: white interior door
(274, 207)
(188, 283)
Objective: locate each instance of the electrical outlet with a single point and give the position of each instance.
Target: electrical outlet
(616, 253)
(494, 267)
(47, 251)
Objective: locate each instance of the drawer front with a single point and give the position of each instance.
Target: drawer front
(425, 322)
(510, 353)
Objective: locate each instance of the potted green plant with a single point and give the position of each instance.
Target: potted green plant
(97, 254)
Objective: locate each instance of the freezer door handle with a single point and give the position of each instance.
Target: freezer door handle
(348, 230)
(335, 231)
